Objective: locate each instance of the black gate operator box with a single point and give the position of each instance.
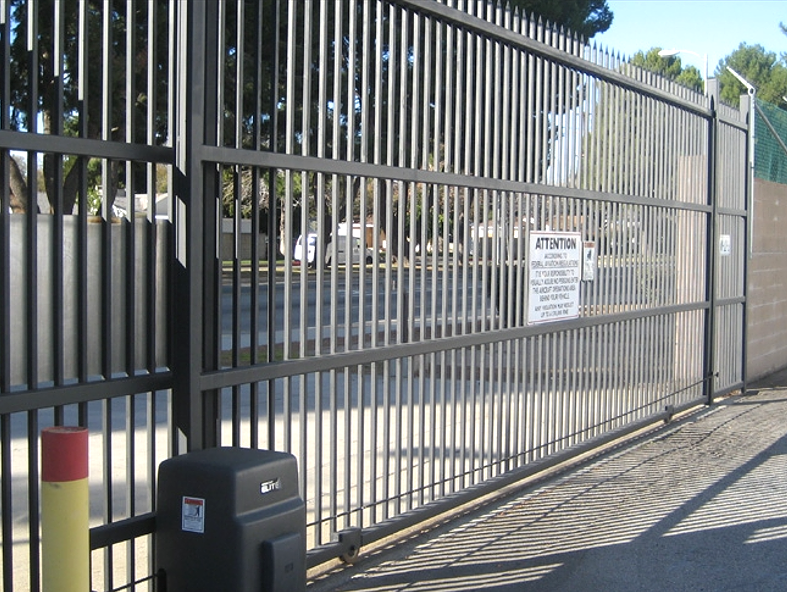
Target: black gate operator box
(230, 519)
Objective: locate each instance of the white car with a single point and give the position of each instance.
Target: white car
(311, 249)
(358, 255)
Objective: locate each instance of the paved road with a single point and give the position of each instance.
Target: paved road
(699, 505)
(426, 293)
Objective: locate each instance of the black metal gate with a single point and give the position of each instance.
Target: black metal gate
(317, 227)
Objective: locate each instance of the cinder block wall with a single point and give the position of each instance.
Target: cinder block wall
(767, 295)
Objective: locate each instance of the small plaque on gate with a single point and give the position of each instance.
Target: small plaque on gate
(725, 245)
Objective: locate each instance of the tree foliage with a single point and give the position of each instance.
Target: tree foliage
(583, 17)
(74, 103)
(254, 39)
(761, 68)
(668, 67)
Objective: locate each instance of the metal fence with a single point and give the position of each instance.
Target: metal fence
(325, 244)
(771, 149)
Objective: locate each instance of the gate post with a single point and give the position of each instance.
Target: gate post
(747, 106)
(194, 330)
(709, 371)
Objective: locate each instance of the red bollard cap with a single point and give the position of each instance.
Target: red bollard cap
(63, 454)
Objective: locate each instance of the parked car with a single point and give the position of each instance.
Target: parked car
(358, 254)
(310, 252)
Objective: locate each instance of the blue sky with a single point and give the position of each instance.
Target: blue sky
(712, 27)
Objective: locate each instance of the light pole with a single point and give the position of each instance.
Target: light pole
(668, 53)
(752, 94)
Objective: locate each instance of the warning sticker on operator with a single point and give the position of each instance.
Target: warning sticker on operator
(193, 515)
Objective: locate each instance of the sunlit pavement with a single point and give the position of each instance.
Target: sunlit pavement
(700, 505)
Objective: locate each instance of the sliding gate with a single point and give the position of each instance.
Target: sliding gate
(427, 247)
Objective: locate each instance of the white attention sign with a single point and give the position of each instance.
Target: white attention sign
(555, 270)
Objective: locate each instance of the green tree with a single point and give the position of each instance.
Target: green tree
(38, 94)
(623, 131)
(761, 68)
(668, 67)
(620, 121)
(583, 17)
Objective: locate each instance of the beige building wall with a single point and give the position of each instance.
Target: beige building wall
(767, 293)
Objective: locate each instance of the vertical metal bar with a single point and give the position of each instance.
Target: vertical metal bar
(256, 228)
(402, 307)
(130, 279)
(454, 79)
(389, 300)
(530, 400)
(365, 96)
(31, 218)
(334, 323)
(559, 143)
(568, 340)
(502, 232)
(108, 484)
(273, 220)
(349, 219)
(150, 260)
(174, 22)
(6, 485)
(551, 70)
(306, 186)
(748, 231)
(56, 253)
(376, 14)
(107, 192)
(6, 498)
(587, 101)
(592, 414)
(427, 291)
(106, 285)
(288, 214)
(709, 364)
(237, 255)
(439, 246)
(131, 313)
(131, 480)
(189, 217)
(322, 125)
(531, 115)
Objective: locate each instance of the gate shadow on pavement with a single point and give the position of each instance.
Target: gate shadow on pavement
(697, 505)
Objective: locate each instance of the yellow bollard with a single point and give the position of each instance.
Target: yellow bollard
(65, 526)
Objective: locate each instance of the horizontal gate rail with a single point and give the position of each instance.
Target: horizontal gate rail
(270, 371)
(485, 28)
(295, 162)
(42, 398)
(48, 143)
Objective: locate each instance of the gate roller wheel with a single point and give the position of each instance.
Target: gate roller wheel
(351, 557)
(350, 539)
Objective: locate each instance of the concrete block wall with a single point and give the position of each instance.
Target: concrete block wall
(767, 282)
